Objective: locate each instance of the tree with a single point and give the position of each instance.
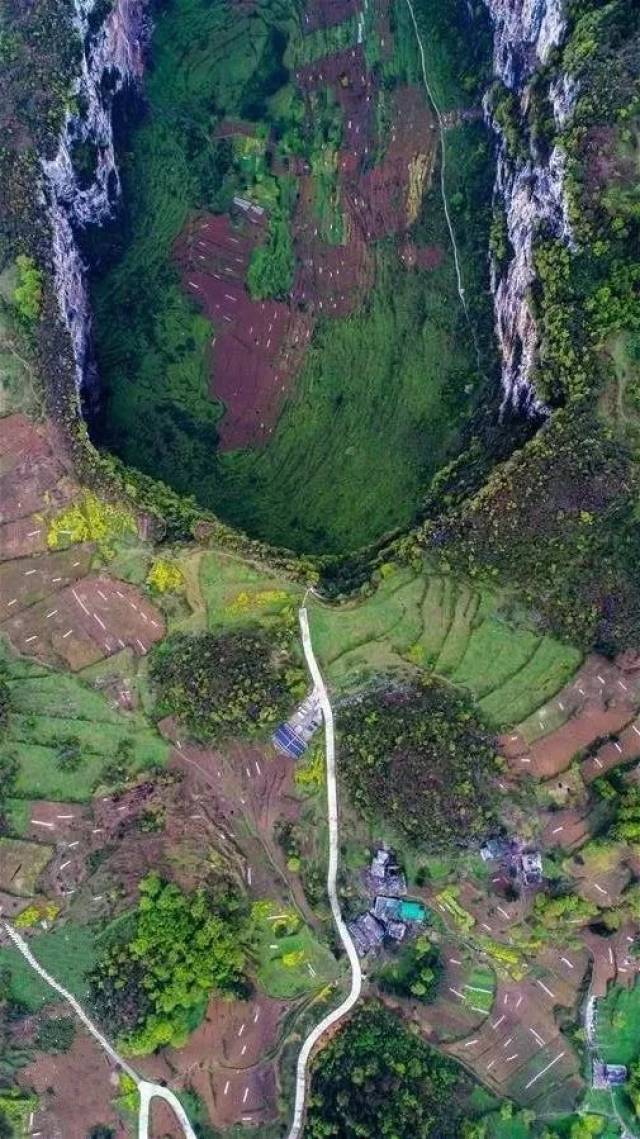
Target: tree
(56, 1034)
(421, 759)
(184, 946)
(415, 973)
(27, 295)
(69, 754)
(223, 684)
(377, 1080)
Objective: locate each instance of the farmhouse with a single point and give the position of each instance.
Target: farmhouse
(608, 1075)
(385, 873)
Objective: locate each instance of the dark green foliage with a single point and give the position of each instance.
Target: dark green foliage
(415, 972)
(420, 760)
(6, 1128)
(56, 1034)
(376, 1080)
(222, 684)
(69, 755)
(152, 990)
(627, 824)
(101, 1131)
(558, 521)
(5, 697)
(120, 768)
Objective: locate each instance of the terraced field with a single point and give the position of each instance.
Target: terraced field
(451, 629)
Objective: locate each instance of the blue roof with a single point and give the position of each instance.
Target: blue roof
(289, 741)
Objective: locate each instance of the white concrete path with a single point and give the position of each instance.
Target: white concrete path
(334, 850)
(147, 1090)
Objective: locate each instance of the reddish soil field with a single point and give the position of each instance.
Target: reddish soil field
(601, 701)
(611, 960)
(427, 257)
(78, 623)
(84, 1083)
(224, 1060)
(384, 200)
(567, 828)
(259, 344)
(516, 1043)
(328, 13)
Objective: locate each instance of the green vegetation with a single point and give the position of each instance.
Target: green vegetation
(68, 952)
(152, 990)
(290, 961)
(224, 685)
(90, 520)
(51, 709)
(619, 1025)
(56, 1034)
(405, 359)
(419, 759)
(270, 272)
(27, 295)
(375, 1078)
(452, 627)
(415, 972)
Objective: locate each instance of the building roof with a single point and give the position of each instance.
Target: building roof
(412, 911)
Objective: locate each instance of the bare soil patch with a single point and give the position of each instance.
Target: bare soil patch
(84, 1085)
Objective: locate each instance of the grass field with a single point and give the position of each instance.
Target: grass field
(235, 593)
(49, 707)
(290, 961)
(67, 953)
(618, 1025)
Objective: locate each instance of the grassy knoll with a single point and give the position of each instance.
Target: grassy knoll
(236, 593)
(290, 961)
(51, 708)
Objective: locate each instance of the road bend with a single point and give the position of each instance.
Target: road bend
(147, 1090)
(332, 873)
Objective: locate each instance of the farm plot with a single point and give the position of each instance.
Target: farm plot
(54, 714)
(224, 1059)
(520, 1053)
(21, 864)
(80, 623)
(600, 701)
(259, 345)
(290, 960)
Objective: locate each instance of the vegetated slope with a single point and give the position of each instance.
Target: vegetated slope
(247, 103)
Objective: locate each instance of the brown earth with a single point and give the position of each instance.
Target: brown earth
(84, 1084)
(51, 606)
(600, 701)
(511, 1050)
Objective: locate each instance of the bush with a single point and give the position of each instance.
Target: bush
(27, 295)
(56, 1034)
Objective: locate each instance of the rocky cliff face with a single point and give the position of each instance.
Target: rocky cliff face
(112, 57)
(530, 185)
